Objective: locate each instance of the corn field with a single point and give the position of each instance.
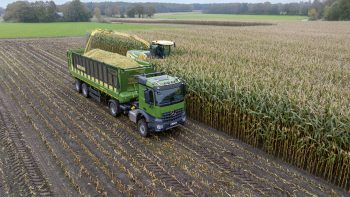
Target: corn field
(283, 88)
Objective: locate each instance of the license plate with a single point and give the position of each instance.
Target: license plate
(173, 123)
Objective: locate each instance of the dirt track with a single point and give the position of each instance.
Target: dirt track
(56, 142)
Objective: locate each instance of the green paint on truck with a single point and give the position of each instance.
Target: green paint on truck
(153, 100)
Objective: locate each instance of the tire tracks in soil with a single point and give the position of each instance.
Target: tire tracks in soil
(262, 177)
(239, 173)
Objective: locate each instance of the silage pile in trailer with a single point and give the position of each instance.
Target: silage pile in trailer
(115, 42)
(110, 58)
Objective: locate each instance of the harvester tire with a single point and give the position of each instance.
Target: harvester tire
(114, 108)
(85, 90)
(77, 85)
(142, 127)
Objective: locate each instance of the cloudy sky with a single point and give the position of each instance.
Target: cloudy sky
(3, 3)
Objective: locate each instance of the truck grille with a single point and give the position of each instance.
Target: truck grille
(172, 115)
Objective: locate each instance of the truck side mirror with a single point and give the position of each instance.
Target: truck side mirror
(184, 89)
(149, 96)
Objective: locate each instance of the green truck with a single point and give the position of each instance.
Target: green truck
(152, 100)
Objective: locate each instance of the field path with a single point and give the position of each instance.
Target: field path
(67, 145)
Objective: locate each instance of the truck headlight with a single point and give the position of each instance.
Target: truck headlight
(184, 119)
(159, 126)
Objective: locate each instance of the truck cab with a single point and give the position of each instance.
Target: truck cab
(161, 104)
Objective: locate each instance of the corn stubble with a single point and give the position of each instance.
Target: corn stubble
(285, 91)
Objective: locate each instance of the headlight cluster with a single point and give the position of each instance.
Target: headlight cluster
(159, 126)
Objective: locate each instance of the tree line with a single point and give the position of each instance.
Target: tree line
(144, 8)
(23, 11)
(318, 9)
(333, 10)
(40, 11)
(74, 11)
(266, 8)
(111, 9)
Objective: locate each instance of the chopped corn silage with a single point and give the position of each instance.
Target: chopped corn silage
(110, 58)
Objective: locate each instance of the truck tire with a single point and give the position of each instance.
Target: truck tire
(142, 127)
(85, 90)
(114, 108)
(77, 85)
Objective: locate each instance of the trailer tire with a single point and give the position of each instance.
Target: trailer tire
(77, 85)
(114, 108)
(85, 90)
(142, 127)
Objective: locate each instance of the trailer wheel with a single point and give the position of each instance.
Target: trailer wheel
(142, 127)
(114, 108)
(85, 90)
(77, 85)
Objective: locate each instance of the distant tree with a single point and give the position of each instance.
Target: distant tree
(150, 11)
(313, 14)
(97, 14)
(339, 10)
(131, 13)
(109, 11)
(39, 11)
(20, 11)
(257, 8)
(140, 10)
(243, 8)
(344, 9)
(112, 10)
(51, 11)
(122, 12)
(75, 11)
(319, 6)
(292, 8)
(44, 11)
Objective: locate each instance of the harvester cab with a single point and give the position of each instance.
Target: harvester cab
(158, 49)
(161, 48)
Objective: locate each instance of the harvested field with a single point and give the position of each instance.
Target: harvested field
(55, 142)
(191, 22)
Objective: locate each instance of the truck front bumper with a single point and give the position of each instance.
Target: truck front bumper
(159, 125)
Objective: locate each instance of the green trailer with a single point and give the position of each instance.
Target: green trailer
(152, 100)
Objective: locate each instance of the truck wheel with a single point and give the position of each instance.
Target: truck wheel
(143, 127)
(114, 108)
(77, 85)
(85, 90)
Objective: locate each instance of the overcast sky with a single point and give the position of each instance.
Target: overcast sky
(3, 3)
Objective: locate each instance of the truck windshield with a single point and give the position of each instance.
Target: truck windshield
(169, 96)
